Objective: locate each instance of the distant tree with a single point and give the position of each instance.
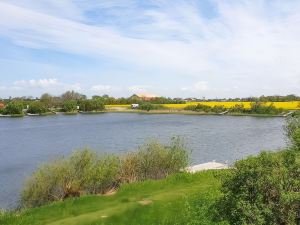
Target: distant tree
(72, 95)
(69, 106)
(14, 108)
(37, 107)
(47, 99)
(89, 105)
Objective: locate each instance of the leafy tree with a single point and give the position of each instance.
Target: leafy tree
(37, 107)
(72, 95)
(90, 105)
(47, 99)
(69, 106)
(14, 108)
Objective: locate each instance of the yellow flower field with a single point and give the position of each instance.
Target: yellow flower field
(285, 105)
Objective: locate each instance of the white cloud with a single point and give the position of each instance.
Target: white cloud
(41, 83)
(101, 88)
(247, 44)
(200, 86)
(139, 88)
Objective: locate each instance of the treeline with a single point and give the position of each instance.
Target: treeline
(88, 172)
(255, 108)
(71, 102)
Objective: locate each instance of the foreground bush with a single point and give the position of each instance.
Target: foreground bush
(293, 130)
(83, 172)
(154, 161)
(262, 190)
(87, 172)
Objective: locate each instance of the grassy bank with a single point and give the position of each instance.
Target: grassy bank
(170, 201)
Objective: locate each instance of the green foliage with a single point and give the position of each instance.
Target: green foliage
(292, 130)
(86, 172)
(199, 108)
(238, 108)
(154, 160)
(95, 104)
(262, 190)
(13, 108)
(83, 172)
(37, 107)
(148, 106)
(102, 175)
(262, 108)
(69, 106)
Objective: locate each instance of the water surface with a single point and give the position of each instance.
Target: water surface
(27, 142)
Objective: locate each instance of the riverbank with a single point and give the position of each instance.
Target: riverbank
(149, 202)
(161, 111)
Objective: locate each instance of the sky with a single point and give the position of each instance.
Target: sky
(175, 48)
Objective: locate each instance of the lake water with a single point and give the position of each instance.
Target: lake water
(27, 142)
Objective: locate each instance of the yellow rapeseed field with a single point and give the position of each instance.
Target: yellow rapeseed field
(285, 105)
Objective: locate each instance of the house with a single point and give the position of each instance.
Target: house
(143, 97)
(2, 105)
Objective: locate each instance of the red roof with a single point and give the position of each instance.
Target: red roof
(2, 105)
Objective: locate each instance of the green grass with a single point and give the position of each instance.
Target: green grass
(179, 199)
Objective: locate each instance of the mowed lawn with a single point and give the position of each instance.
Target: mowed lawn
(180, 199)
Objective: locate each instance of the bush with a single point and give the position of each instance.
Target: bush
(262, 190)
(292, 129)
(69, 106)
(83, 172)
(102, 175)
(37, 107)
(263, 108)
(86, 172)
(154, 160)
(148, 106)
(14, 108)
(91, 105)
(238, 108)
(199, 108)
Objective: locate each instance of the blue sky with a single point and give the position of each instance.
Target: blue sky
(204, 48)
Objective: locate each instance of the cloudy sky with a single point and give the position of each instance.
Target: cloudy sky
(204, 48)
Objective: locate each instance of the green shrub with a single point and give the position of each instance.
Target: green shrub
(199, 108)
(14, 108)
(103, 174)
(263, 108)
(37, 107)
(69, 106)
(238, 108)
(292, 129)
(154, 160)
(148, 106)
(90, 105)
(86, 172)
(83, 172)
(262, 190)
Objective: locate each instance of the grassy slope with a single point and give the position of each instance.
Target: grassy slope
(179, 199)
